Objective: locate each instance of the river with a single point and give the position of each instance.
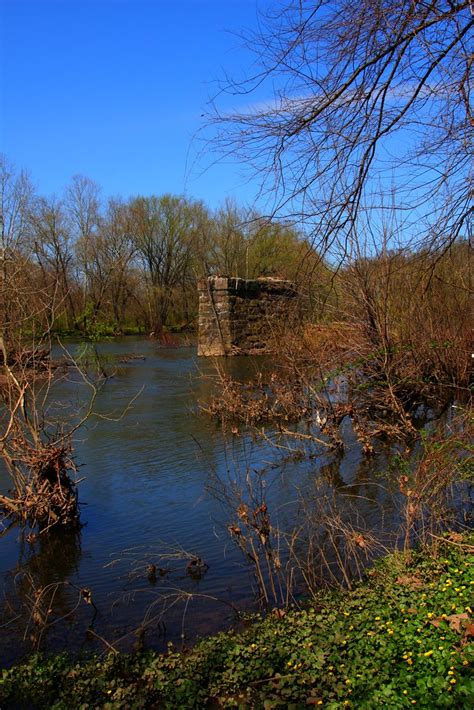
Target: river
(149, 466)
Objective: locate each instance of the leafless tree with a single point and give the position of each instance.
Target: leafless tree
(15, 197)
(82, 201)
(117, 254)
(53, 249)
(162, 229)
(359, 99)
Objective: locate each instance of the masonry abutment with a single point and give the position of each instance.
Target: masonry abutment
(241, 316)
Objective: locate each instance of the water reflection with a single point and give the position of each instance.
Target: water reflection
(162, 481)
(38, 594)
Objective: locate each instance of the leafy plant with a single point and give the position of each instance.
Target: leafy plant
(401, 639)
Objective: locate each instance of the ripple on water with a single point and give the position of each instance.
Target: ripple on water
(145, 491)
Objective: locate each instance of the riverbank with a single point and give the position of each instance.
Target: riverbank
(402, 638)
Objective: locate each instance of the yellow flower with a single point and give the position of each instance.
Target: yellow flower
(377, 618)
(347, 681)
(452, 681)
(440, 648)
(468, 608)
(320, 702)
(465, 662)
(390, 631)
(405, 692)
(430, 615)
(428, 653)
(450, 672)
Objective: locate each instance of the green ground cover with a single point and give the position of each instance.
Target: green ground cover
(401, 639)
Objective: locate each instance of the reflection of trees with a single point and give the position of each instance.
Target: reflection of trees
(55, 557)
(38, 593)
(365, 499)
(301, 525)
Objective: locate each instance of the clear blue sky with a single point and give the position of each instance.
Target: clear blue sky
(115, 90)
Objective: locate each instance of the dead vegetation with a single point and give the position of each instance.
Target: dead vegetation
(37, 453)
(264, 399)
(400, 347)
(431, 485)
(396, 359)
(44, 494)
(322, 536)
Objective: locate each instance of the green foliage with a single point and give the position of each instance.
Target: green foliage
(401, 639)
(93, 329)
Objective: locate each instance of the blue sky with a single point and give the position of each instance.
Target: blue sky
(115, 90)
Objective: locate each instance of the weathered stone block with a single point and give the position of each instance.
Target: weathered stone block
(235, 315)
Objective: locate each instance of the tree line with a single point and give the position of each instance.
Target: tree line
(79, 262)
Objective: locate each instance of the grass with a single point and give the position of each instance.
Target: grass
(401, 639)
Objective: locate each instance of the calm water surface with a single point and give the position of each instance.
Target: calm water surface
(146, 494)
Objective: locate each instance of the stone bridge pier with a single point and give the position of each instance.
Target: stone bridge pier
(242, 316)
